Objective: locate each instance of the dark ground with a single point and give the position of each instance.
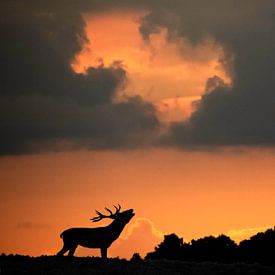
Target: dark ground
(77, 266)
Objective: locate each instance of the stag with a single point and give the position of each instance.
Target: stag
(99, 237)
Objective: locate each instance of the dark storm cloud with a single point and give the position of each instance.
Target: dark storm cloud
(62, 125)
(44, 104)
(244, 113)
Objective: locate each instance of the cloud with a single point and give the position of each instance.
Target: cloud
(242, 114)
(246, 233)
(31, 225)
(141, 237)
(45, 105)
(41, 123)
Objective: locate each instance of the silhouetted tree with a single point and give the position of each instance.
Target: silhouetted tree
(136, 258)
(170, 248)
(259, 248)
(220, 249)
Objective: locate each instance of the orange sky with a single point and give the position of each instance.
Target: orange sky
(169, 74)
(191, 194)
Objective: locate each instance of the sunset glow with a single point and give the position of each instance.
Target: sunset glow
(170, 74)
(164, 107)
(228, 196)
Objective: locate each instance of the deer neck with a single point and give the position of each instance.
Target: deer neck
(116, 227)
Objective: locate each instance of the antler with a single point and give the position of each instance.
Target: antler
(117, 208)
(101, 216)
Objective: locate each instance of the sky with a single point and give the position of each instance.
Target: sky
(166, 107)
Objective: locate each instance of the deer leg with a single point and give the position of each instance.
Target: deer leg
(64, 249)
(72, 250)
(103, 251)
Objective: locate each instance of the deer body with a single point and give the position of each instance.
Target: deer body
(100, 237)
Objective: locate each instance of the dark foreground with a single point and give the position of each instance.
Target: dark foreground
(63, 265)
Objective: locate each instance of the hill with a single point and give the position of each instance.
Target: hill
(52, 265)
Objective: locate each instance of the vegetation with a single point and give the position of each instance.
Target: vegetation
(258, 249)
(54, 265)
(209, 256)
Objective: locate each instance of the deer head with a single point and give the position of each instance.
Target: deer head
(123, 217)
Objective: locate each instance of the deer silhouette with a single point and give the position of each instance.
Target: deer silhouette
(99, 237)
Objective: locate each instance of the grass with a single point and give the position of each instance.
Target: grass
(53, 265)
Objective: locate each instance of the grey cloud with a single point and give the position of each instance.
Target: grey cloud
(244, 113)
(44, 104)
(37, 123)
(31, 225)
(36, 54)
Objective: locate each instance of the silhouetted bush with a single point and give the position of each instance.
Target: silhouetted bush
(136, 258)
(219, 249)
(170, 248)
(53, 265)
(258, 249)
